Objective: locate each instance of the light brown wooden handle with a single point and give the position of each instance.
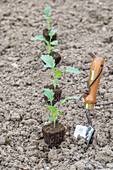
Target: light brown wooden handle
(90, 99)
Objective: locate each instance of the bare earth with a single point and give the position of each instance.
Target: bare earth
(83, 26)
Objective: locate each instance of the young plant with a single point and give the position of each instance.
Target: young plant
(47, 11)
(48, 43)
(50, 63)
(55, 111)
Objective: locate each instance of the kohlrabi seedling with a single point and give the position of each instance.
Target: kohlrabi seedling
(48, 43)
(47, 11)
(50, 63)
(55, 111)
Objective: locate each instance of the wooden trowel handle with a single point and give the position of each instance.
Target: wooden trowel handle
(96, 68)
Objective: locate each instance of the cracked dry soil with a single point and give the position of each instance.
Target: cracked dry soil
(83, 27)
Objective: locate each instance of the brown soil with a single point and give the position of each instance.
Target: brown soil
(57, 93)
(83, 26)
(53, 136)
(47, 37)
(110, 70)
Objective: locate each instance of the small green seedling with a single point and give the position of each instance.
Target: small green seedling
(50, 63)
(47, 11)
(48, 43)
(55, 111)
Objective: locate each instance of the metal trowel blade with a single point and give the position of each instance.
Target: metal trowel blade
(80, 130)
(84, 131)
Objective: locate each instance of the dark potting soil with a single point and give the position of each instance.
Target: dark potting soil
(47, 37)
(53, 136)
(56, 56)
(57, 93)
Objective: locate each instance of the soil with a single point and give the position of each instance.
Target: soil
(53, 136)
(47, 37)
(111, 70)
(57, 94)
(83, 27)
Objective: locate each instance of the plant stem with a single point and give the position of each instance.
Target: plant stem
(49, 48)
(54, 123)
(48, 21)
(54, 83)
(59, 108)
(53, 117)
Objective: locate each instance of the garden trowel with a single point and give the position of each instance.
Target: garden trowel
(90, 98)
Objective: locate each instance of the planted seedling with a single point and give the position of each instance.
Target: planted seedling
(46, 31)
(49, 37)
(48, 43)
(54, 132)
(55, 111)
(54, 53)
(50, 63)
(47, 11)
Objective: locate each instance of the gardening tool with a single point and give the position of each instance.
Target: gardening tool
(90, 98)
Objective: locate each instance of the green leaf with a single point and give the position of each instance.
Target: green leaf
(53, 69)
(48, 60)
(71, 97)
(44, 47)
(72, 70)
(38, 37)
(44, 24)
(55, 50)
(53, 109)
(55, 42)
(52, 32)
(49, 107)
(50, 118)
(49, 94)
(58, 73)
(54, 116)
(48, 18)
(60, 113)
(47, 10)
